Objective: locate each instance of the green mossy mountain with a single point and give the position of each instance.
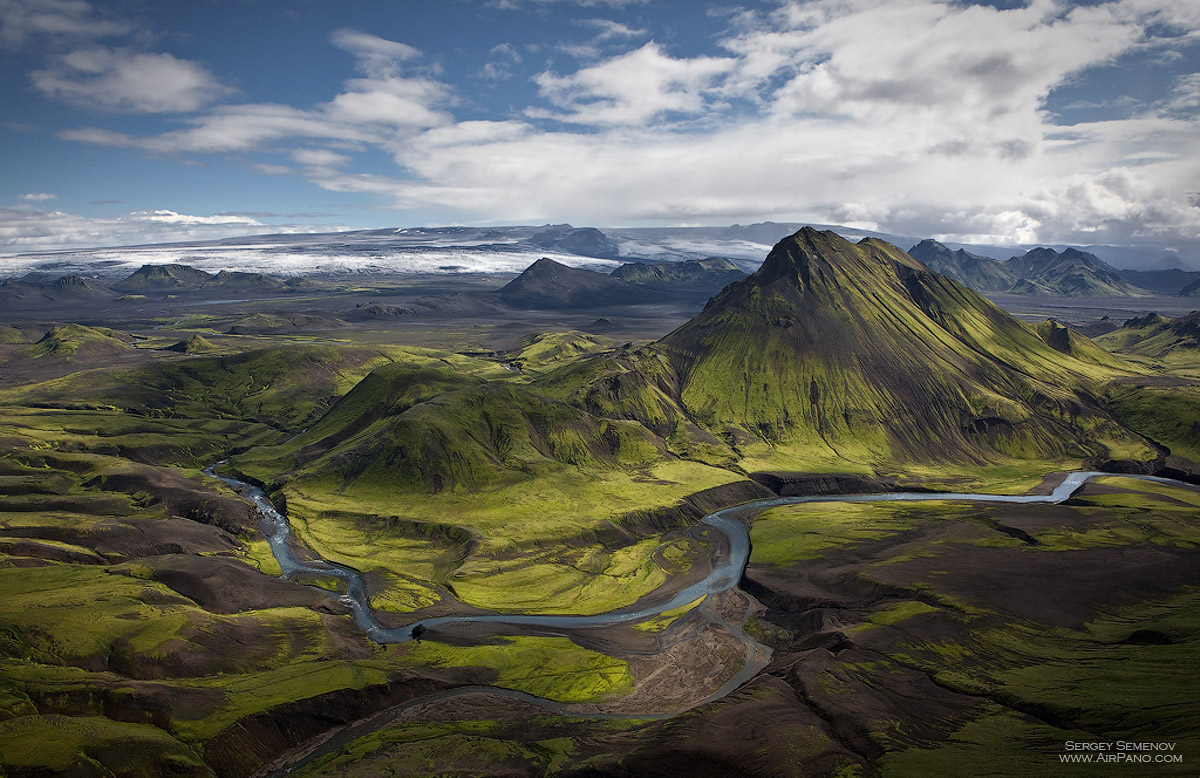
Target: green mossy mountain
(864, 352)
(71, 340)
(832, 357)
(1156, 336)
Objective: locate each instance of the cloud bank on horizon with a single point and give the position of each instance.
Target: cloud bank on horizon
(990, 122)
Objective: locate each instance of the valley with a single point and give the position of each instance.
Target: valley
(719, 517)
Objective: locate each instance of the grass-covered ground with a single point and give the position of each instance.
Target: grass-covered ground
(144, 630)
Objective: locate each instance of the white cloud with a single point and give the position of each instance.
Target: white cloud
(499, 67)
(268, 169)
(129, 81)
(923, 117)
(319, 158)
(163, 216)
(378, 57)
(1186, 94)
(24, 22)
(611, 30)
(632, 88)
(38, 197)
(31, 229)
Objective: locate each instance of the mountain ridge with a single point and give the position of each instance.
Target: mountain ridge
(1040, 271)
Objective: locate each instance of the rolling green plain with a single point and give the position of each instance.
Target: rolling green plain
(145, 631)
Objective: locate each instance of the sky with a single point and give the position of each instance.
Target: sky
(1004, 122)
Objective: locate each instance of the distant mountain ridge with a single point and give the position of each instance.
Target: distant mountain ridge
(177, 277)
(33, 288)
(712, 273)
(1172, 281)
(550, 284)
(832, 357)
(1040, 271)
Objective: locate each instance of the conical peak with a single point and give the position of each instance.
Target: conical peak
(544, 265)
(795, 256)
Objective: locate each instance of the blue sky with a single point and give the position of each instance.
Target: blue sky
(136, 121)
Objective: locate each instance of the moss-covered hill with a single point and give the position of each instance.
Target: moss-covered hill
(846, 357)
(832, 357)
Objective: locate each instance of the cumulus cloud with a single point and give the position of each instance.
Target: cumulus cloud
(632, 88)
(499, 67)
(380, 109)
(129, 81)
(926, 117)
(38, 197)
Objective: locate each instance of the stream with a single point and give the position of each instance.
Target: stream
(726, 572)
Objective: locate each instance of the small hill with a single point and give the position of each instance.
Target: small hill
(185, 278)
(282, 324)
(35, 288)
(585, 241)
(548, 349)
(1075, 344)
(549, 284)
(10, 335)
(75, 287)
(154, 278)
(1157, 336)
(713, 273)
(76, 340)
(1069, 273)
(197, 344)
(981, 273)
(245, 281)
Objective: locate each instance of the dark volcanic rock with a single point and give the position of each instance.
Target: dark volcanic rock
(585, 241)
(549, 284)
(806, 484)
(978, 272)
(711, 274)
(1070, 273)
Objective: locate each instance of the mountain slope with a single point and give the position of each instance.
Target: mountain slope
(978, 272)
(833, 357)
(1171, 343)
(850, 357)
(1164, 281)
(1041, 271)
(72, 287)
(1070, 273)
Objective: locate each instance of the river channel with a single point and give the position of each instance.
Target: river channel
(732, 522)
